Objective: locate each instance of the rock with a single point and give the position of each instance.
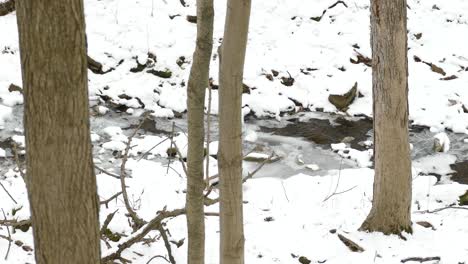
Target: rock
(287, 81)
(165, 74)
(260, 157)
(425, 224)
(464, 199)
(342, 102)
(347, 140)
(418, 35)
(441, 142)
(449, 78)
(180, 61)
(171, 152)
(304, 260)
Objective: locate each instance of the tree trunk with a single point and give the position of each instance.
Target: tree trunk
(391, 205)
(198, 81)
(60, 176)
(231, 71)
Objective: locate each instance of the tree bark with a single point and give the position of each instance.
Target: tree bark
(198, 81)
(232, 57)
(60, 176)
(391, 205)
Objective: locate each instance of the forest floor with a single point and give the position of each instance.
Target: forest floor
(299, 53)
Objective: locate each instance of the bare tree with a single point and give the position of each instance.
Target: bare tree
(60, 176)
(198, 82)
(232, 57)
(391, 205)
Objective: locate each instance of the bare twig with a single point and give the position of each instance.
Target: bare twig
(337, 184)
(284, 191)
(9, 237)
(147, 152)
(8, 193)
(106, 202)
(17, 161)
(267, 160)
(107, 172)
(157, 256)
(163, 233)
(180, 158)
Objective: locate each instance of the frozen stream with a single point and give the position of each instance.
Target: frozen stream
(300, 140)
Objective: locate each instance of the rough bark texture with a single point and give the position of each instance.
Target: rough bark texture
(391, 205)
(60, 177)
(230, 129)
(198, 81)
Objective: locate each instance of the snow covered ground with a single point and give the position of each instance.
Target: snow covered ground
(285, 218)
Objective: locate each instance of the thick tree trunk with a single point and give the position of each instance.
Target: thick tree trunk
(60, 176)
(230, 129)
(391, 205)
(198, 81)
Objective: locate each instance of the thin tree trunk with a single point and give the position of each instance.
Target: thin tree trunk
(197, 84)
(60, 176)
(391, 205)
(232, 58)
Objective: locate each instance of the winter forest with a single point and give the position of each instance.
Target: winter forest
(233, 131)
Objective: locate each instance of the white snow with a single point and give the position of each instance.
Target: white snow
(283, 218)
(313, 167)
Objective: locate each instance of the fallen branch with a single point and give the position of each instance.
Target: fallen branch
(350, 244)
(163, 233)
(154, 224)
(16, 223)
(137, 221)
(420, 260)
(441, 209)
